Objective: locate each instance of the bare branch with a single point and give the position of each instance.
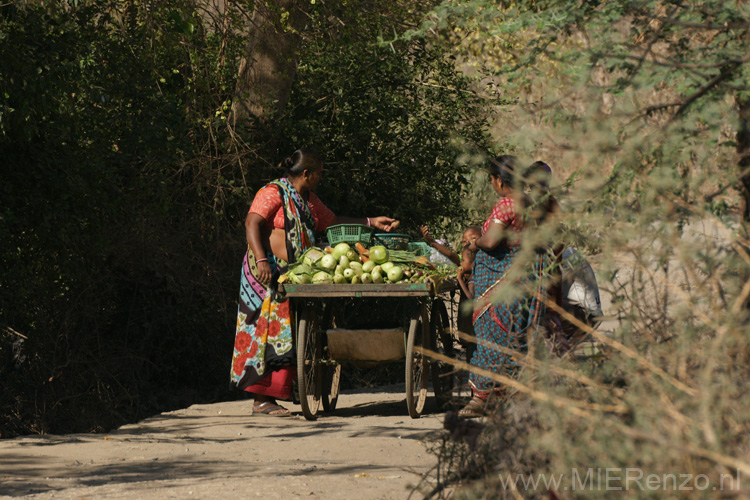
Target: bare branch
(723, 75)
(710, 27)
(11, 330)
(649, 46)
(620, 347)
(673, 64)
(580, 408)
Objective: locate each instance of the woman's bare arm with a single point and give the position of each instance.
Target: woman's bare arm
(253, 232)
(381, 222)
(453, 256)
(468, 290)
(496, 234)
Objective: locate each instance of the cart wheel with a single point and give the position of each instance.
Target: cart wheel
(331, 369)
(443, 380)
(309, 368)
(417, 366)
(331, 383)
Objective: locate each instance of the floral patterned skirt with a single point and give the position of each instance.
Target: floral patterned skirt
(263, 356)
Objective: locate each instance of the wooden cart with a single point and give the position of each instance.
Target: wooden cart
(414, 314)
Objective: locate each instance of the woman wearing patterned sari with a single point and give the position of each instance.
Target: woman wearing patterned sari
(508, 321)
(280, 226)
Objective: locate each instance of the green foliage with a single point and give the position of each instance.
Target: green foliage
(124, 189)
(391, 121)
(641, 106)
(391, 134)
(104, 247)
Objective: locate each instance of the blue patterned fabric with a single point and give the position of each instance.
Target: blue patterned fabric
(263, 336)
(505, 323)
(299, 222)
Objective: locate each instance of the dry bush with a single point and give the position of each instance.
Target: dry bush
(646, 161)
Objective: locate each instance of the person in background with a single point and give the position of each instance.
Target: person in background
(506, 322)
(545, 209)
(579, 295)
(440, 246)
(465, 265)
(280, 225)
(468, 254)
(465, 310)
(573, 284)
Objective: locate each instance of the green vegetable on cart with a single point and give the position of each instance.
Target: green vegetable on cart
(343, 265)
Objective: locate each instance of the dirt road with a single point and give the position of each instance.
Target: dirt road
(368, 448)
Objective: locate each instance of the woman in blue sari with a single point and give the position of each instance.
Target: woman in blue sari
(506, 322)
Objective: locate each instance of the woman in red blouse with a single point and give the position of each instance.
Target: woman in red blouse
(506, 321)
(280, 226)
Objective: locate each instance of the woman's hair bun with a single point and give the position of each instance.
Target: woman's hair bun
(301, 160)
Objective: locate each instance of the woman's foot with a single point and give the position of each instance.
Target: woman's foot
(269, 407)
(477, 407)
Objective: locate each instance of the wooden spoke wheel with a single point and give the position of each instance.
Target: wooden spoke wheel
(310, 369)
(331, 369)
(443, 379)
(417, 365)
(331, 386)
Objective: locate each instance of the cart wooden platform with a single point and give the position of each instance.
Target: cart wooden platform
(408, 316)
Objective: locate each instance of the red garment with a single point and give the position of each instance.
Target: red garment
(505, 212)
(277, 384)
(267, 204)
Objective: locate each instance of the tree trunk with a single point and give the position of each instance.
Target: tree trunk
(270, 63)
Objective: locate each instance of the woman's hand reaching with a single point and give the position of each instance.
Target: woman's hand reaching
(384, 223)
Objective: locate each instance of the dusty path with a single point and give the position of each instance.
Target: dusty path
(368, 448)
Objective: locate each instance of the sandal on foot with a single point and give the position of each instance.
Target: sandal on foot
(272, 409)
(474, 409)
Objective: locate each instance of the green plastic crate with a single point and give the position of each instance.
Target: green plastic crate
(349, 233)
(392, 241)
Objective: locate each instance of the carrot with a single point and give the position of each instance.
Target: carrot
(329, 249)
(425, 262)
(361, 249)
(364, 258)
